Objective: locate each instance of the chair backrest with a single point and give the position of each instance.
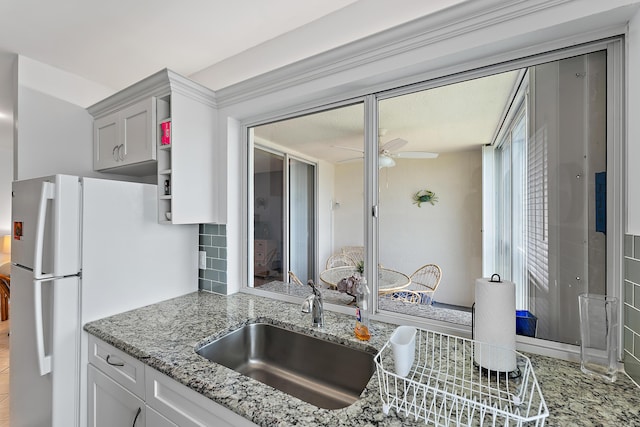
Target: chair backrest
(354, 252)
(428, 275)
(339, 260)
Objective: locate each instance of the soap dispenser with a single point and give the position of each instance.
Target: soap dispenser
(362, 329)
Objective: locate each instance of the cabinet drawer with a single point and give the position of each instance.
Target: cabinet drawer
(122, 368)
(185, 407)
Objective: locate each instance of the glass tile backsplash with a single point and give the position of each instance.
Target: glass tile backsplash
(631, 306)
(213, 240)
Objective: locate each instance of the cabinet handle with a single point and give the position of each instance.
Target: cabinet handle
(136, 418)
(121, 153)
(113, 153)
(113, 363)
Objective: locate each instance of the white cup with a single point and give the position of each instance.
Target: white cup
(403, 344)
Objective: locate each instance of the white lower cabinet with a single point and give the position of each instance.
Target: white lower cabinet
(111, 405)
(124, 392)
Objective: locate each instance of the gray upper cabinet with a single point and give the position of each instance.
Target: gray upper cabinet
(125, 138)
(129, 139)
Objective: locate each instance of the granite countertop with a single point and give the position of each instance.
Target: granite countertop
(164, 336)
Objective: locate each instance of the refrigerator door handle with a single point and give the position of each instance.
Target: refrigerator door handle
(44, 362)
(47, 192)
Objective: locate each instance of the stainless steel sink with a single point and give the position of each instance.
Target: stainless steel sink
(326, 374)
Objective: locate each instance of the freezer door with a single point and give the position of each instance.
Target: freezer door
(44, 350)
(46, 225)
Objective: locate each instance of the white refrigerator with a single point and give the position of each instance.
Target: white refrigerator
(82, 249)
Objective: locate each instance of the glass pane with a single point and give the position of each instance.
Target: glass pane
(430, 221)
(568, 133)
(324, 180)
(547, 125)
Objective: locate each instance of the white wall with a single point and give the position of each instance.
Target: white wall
(633, 126)
(286, 49)
(60, 84)
(447, 233)
(6, 140)
(54, 132)
(326, 217)
(348, 213)
(6, 176)
(54, 136)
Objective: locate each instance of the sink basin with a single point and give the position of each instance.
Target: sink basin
(326, 374)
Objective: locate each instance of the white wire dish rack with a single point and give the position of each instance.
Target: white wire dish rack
(445, 386)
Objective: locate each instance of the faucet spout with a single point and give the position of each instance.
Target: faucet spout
(313, 304)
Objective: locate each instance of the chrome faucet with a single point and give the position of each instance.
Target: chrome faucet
(313, 304)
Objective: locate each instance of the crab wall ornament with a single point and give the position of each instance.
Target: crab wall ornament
(424, 196)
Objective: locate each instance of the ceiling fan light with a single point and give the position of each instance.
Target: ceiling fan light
(385, 162)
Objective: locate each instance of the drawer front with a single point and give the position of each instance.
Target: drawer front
(260, 245)
(185, 407)
(122, 368)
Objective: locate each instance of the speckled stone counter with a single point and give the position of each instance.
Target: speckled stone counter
(164, 336)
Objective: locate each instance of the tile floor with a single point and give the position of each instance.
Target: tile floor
(4, 373)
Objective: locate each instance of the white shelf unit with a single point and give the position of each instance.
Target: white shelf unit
(187, 161)
(163, 110)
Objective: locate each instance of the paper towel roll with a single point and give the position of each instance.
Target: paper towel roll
(495, 325)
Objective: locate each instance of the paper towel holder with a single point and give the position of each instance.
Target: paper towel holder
(511, 374)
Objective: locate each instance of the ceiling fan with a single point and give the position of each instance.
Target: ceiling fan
(389, 151)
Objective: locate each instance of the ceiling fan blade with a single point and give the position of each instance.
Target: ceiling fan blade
(415, 155)
(348, 148)
(393, 145)
(353, 159)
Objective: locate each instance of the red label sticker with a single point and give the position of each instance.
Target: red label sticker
(17, 230)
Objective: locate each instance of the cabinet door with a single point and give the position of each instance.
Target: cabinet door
(138, 132)
(106, 139)
(111, 405)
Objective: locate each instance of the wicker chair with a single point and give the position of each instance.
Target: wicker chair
(356, 253)
(5, 293)
(424, 282)
(295, 279)
(339, 260)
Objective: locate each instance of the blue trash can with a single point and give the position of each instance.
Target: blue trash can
(526, 323)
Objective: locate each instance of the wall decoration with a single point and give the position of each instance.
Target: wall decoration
(424, 196)
(261, 202)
